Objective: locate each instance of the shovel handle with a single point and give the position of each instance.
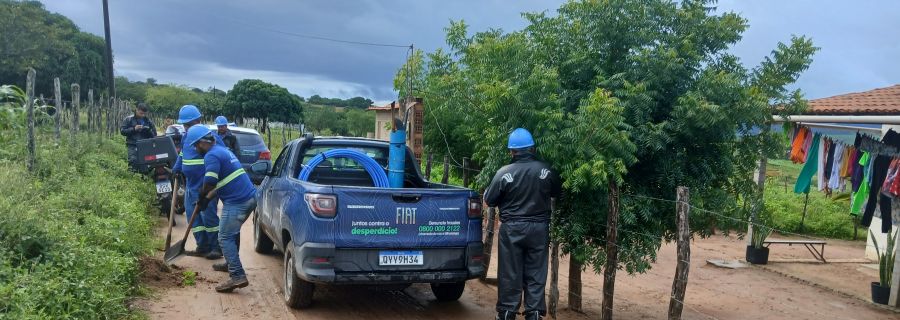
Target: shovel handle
(187, 230)
(171, 214)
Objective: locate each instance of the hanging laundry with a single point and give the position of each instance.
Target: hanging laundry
(798, 150)
(834, 182)
(810, 167)
(859, 170)
(880, 166)
(845, 162)
(888, 187)
(820, 162)
(862, 188)
(829, 160)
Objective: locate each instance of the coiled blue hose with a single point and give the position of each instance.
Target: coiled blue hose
(372, 167)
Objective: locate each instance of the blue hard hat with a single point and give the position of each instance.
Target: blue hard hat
(221, 121)
(520, 139)
(188, 113)
(196, 133)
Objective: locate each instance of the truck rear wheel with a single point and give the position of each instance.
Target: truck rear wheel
(298, 293)
(448, 291)
(261, 242)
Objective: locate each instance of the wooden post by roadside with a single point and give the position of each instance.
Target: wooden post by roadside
(489, 240)
(428, 164)
(76, 101)
(58, 105)
(446, 177)
(466, 172)
(612, 252)
(91, 110)
(553, 304)
(29, 110)
(679, 284)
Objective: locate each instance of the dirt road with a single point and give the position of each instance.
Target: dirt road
(713, 293)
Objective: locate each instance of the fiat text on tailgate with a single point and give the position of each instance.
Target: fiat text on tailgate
(336, 228)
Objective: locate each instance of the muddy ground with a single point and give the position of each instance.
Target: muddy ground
(782, 290)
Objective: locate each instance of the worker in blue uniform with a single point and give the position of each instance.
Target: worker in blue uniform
(189, 165)
(226, 178)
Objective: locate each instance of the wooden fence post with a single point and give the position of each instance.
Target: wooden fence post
(612, 252)
(465, 169)
(91, 111)
(428, 164)
(553, 302)
(76, 101)
(679, 284)
(283, 141)
(446, 177)
(29, 110)
(58, 105)
(489, 240)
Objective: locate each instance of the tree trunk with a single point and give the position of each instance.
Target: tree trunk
(612, 253)
(574, 284)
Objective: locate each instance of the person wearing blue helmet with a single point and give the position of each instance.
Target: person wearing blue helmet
(522, 191)
(228, 138)
(226, 178)
(189, 166)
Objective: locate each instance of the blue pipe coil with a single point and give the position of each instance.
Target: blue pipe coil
(372, 167)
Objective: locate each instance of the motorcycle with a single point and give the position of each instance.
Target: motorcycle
(158, 155)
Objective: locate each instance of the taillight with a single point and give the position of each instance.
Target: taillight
(322, 205)
(474, 208)
(265, 155)
(149, 158)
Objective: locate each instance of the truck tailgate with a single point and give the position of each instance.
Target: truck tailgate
(401, 218)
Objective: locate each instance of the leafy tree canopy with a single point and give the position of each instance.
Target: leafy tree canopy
(643, 94)
(252, 98)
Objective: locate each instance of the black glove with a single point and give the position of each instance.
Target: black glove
(202, 204)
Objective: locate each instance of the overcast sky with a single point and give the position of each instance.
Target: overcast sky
(204, 43)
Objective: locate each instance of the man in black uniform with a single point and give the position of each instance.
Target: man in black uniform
(134, 128)
(522, 192)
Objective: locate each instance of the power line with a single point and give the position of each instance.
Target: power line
(314, 37)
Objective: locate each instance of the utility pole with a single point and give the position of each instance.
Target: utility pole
(109, 61)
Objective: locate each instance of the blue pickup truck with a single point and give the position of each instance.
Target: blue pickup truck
(336, 228)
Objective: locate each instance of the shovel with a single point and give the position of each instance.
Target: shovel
(171, 215)
(177, 249)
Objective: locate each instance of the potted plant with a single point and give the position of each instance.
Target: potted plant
(881, 290)
(757, 253)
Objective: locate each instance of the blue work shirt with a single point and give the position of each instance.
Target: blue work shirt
(224, 170)
(190, 162)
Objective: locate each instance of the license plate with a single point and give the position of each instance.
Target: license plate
(163, 187)
(400, 258)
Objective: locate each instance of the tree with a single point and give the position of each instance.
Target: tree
(51, 44)
(251, 98)
(166, 100)
(642, 94)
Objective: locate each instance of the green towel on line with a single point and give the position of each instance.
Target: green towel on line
(809, 168)
(859, 198)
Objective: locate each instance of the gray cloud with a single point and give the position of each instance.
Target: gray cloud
(205, 43)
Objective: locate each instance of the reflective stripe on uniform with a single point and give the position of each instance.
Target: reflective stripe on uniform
(212, 174)
(198, 229)
(192, 162)
(212, 229)
(230, 177)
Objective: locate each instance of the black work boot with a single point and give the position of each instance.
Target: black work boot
(505, 315)
(214, 255)
(221, 266)
(533, 315)
(196, 253)
(231, 284)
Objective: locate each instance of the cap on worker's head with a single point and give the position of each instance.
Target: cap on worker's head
(221, 121)
(196, 133)
(188, 113)
(520, 139)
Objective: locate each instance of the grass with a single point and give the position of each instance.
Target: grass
(71, 231)
(188, 278)
(825, 216)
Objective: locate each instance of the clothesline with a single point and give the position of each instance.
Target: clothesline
(870, 166)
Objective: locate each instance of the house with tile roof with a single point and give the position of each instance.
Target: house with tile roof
(881, 101)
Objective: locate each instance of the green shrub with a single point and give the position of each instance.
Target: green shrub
(72, 231)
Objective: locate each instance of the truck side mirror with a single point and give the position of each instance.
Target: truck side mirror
(262, 168)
